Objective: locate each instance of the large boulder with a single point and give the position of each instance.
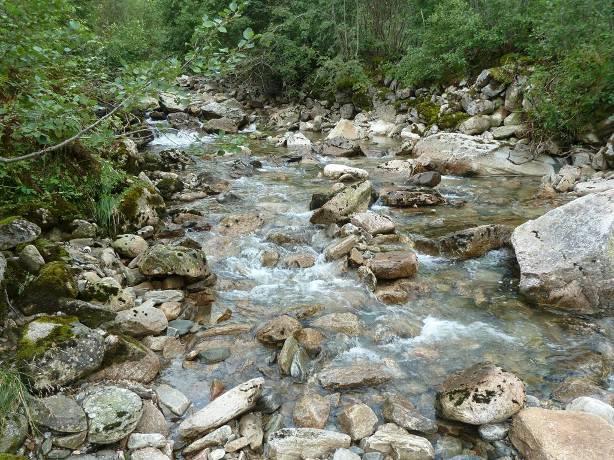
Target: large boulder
(299, 443)
(172, 103)
(163, 260)
(57, 351)
(112, 412)
(341, 147)
(373, 223)
(139, 206)
(566, 256)
(541, 434)
(461, 154)
(230, 109)
(351, 199)
(15, 231)
(224, 408)
(481, 394)
(58, 413)
(141, 321)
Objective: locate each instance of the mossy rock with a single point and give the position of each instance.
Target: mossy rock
(504, 74)
(169, 186)
(139, 206)
(429, 111)
(54, 351)
(12, 457)
(452, 120)
(51, 251)
(89, 314)
(43, 334)
(54, 282)
(101, 291)
(163, 260)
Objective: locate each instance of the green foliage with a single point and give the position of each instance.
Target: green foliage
(13, 394)
(339, 75)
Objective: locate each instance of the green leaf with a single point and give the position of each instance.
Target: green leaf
(233, 6)
(248, 33)
(222, 29)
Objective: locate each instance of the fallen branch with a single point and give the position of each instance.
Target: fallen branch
(64, 143)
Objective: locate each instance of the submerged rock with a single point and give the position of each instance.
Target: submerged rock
(357, 420)
(300, 443)
(278, 330)
(311, 411)
(353, 376)
(475, 241)
(566, 258)
(551, 434)
(224, 408)
(481, 394)
(402, 412)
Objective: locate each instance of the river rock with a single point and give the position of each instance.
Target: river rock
(302, 443)
(224, 408)
(351, 199)
(373, 223)
(278, 330)
(493, 431)
(217, 437)
(392, 440)
(357, 420)
(31, 259)
(311, 411)
(58, 413)
(407, 198)
(112, 413)
(143, 440)
(565, 256)
(240, 224)
(130, 245)
(425, 179)
(172, 103)
(475, 241)
(140, 206)
(403, 413)
(460, 154)
(475, 125)
(353, 376)
(345, 129)
(310, 339)
(15, 231)
(55, 281)
(340, 147)
(173, 399)
(165, 260)
(592, 406)
(152, 420)
(58, 351)
(345, 454)
(337, 172)
(345, 323)
(230, 109)
(141, 321)
(339, 249)
(148, 453)
(551, 435)
(481, 394)
(127, 359)
(250, 427)
(394, 265)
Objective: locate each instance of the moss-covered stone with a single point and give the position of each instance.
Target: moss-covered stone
(504, 74)
(12, 457)
(139, 206)
(44, 333)
(452, 120)
(51, 251)
(429, 111)
(55, 281)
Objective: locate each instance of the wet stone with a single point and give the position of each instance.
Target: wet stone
(214, 355)
(172, 399)
(311, 411)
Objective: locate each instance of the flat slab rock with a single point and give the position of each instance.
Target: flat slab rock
(301, 443)
(393, 440)
(541, 434)
(224, 408)
(566, 256)
(354, 376)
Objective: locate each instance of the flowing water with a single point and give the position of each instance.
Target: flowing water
(470, 311)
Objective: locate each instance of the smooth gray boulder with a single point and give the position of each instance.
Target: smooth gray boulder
(464, 155)
(566, 256)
